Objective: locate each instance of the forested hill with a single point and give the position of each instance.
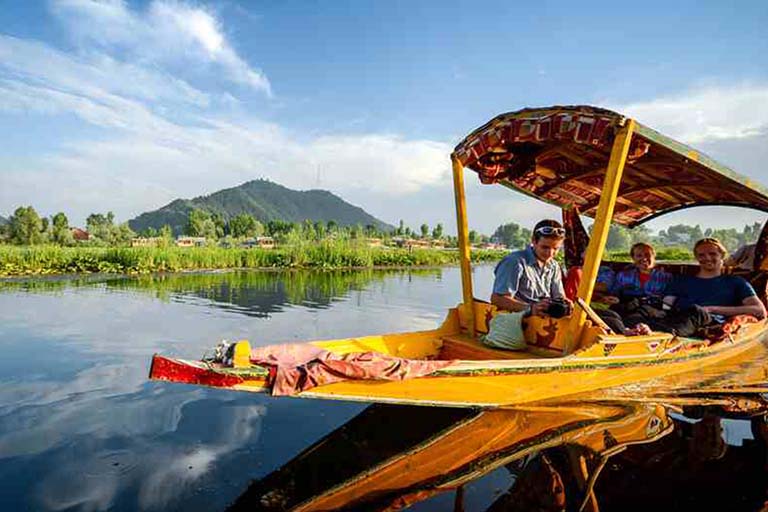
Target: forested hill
(3, 220)
(265, 201)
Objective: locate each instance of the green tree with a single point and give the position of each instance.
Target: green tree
(437, 233)
(166, 232)
(26, 226)
(200, 223)
(101, 227)
(243, 225)
(680, 235)
(61, 234)
(472, 236)
(424, 230)
(401, 228)
(121, 234)
(278, 227)
(220, 225)
(640, 234)
(512, 235)
(618, 238)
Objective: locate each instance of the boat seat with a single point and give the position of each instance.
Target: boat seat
(465, 347)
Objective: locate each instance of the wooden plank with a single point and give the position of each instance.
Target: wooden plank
(463, 232)
(600, 229)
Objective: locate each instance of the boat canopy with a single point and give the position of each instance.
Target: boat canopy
(560, 155)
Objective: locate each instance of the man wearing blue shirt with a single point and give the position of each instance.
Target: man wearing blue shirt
(528, 279)
(709, 296)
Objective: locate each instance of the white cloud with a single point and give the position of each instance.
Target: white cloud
(168, 32)
(707, 114)
(36, 64)
(139, 171)
(729, 123)
(164, 139)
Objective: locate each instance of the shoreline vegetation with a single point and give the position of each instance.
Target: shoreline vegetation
(40, 260)
(43, 260)
(31, 245)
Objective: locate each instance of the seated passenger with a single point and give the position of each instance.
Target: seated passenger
(708, 297)
(528, 280)
(642, 278)
(635, 294)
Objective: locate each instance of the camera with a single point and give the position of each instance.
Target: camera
(558, 308)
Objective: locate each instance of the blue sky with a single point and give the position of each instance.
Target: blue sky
(124, 106)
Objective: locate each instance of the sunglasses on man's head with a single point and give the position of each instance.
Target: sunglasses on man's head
(550, 231)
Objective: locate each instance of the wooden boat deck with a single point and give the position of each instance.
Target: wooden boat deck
(467, 348)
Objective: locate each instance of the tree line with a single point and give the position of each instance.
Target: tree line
(27, 227)
(620, 238)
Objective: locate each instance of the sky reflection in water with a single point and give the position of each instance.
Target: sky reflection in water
(81, 427)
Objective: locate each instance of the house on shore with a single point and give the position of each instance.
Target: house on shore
(492, 246)
(80, 235)
(141, 241)
(261, 242)
(190, 241)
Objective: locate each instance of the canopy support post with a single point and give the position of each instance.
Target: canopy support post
(463, 232)
(600, 230)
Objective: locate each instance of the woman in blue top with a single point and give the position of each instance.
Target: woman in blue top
(642, 278)
(631, 291)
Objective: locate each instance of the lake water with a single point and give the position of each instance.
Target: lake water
(81, 427)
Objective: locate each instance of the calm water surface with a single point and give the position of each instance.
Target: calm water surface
(81, 427)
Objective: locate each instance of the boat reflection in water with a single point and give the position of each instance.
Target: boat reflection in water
(565, 456)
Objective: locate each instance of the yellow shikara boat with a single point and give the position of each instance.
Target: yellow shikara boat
(609, 167)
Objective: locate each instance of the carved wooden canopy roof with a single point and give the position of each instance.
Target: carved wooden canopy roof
(560, 154)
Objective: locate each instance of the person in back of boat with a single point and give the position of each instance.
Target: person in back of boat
(530, 280)
(642, 279)
(709, 297)
(635, 293)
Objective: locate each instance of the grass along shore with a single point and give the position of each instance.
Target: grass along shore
(51, 259)
(48, 259)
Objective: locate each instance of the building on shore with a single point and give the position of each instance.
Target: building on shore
(141, 241)
(80, 235)
(492, 245)
(261, 242)
(418, 243)
(190, 241)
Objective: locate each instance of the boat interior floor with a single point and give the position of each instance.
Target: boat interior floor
(465, 347)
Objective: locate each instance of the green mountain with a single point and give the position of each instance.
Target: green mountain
(3, 220)
(265, 201)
